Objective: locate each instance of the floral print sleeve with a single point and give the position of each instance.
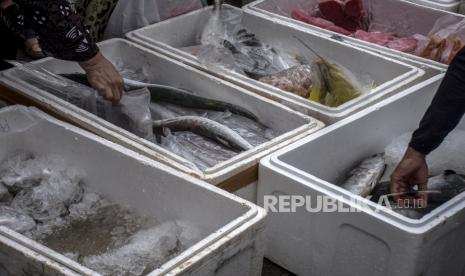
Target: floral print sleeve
(58, 27)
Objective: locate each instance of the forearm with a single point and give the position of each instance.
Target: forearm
(445, 111)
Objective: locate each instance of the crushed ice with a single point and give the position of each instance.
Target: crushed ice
(45, 199)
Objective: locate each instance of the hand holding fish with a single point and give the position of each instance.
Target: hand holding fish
(412, 171)
(104, 77)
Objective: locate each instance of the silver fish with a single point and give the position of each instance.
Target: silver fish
(205, 127)
(447, 185)
(364, 178)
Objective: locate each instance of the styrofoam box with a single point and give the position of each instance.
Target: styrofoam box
(447, 5)
(369, 241)
(390, 76)
(166, 71)
(405, 18)
(230, 229)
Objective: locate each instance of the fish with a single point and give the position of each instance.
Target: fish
(178, 96)
(214, 30)
(336, 87)
(441, 188)
(364, 177)
(205, 127)
(447, 185)
(297, 80)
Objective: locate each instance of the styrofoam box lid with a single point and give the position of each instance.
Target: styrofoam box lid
(150, 188)
(388, 73)
(321, 158)
(291, 124)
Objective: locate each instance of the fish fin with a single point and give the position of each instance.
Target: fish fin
(313, 51)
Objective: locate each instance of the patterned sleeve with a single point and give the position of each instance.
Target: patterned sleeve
(59, 28)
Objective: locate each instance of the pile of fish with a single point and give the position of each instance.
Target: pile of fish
(364, 181)
(352, 18)
(46, 200)
(228, 45)
(186, 129)
(230, 130)
(206, 137)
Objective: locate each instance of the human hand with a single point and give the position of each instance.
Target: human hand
(104, 77)
(33, 49)
(411, 171)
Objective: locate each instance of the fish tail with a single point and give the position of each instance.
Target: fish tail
(313, 51)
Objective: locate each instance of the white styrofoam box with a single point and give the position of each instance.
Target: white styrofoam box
(405, 18)
(164, 70)
(390, 76)
(447, 5)
(369, 241)
(230, 230)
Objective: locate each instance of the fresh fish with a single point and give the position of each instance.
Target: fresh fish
(297, 80)
(180, 97)
(205, 127)
(364, 178)
(447, 185)
(336, 87)
(441, 188)
(214, 30)
(254, 58)
(381, 189)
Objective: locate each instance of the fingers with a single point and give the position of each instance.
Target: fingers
(422, 196)
(104, 77)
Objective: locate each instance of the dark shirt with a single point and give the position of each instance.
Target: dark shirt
(446, 109)
(57, 25)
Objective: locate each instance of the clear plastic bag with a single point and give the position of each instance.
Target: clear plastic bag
(80, 95)
(133, 113)
(231, 47)
(130, 15)
(334, 85)
(445, 39)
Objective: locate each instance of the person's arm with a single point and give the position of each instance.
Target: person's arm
(62, 34)
(443, 115)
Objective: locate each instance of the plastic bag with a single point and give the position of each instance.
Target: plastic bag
(133, 113)
(297, 80)
(334, 85)
(234, 48)
(446, 38)
(130, 15)
(80, 95)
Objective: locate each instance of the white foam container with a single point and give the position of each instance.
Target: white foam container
(395, 13)
(366, 242)
(447, 5)
(229, 229)
(390, 76)
(232, 174)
